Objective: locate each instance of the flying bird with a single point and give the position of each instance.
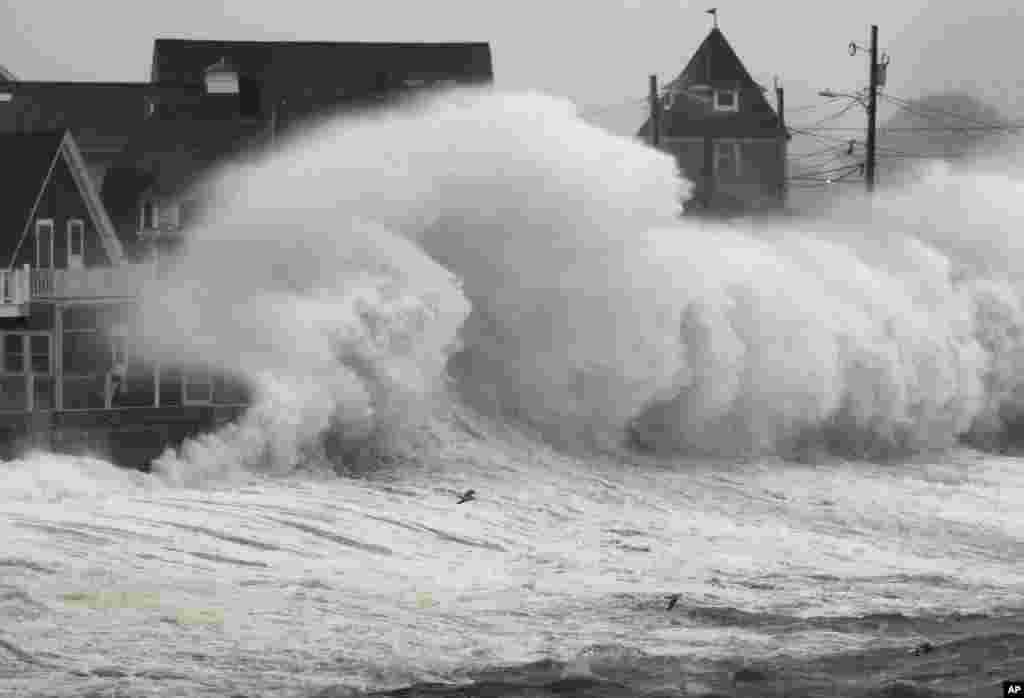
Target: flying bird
(467, 496)
(672, 600)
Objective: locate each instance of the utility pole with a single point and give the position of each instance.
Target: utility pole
(780, 101)
(869, 165)
(655, 113)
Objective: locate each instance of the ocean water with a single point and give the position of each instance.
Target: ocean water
(800, 429)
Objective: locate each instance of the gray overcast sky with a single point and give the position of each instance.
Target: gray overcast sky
(597, 52)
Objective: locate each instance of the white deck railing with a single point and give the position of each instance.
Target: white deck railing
(124, 281)
(18, 287)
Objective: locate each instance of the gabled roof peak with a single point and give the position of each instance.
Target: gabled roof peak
(714, 63)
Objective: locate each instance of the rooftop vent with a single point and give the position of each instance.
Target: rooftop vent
(222, 78)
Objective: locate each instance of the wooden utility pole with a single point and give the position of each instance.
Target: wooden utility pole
(869, 165)
(655, 113)
(780, 100)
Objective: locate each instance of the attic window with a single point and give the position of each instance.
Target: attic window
(221, 78)
(727, 100)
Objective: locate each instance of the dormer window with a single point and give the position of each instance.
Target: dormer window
(727, 100)
(222, 78)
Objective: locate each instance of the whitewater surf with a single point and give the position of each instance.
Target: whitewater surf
(480, 291)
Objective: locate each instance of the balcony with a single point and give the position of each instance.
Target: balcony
(124, 281)
(19, 287)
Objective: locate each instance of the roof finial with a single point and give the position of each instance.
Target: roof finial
(714, 15)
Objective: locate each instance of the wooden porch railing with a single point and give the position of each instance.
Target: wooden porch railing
(42, 283)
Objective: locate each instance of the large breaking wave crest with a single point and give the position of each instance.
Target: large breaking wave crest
(341, 274)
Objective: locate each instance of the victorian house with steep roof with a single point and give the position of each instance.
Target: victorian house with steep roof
(726, 137)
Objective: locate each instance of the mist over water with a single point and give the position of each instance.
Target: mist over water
(541, 262)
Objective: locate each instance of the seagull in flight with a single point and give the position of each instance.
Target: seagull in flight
(467, 496)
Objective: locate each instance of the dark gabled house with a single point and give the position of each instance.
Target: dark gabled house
(57, 247)
(727, 138)
(67, 298)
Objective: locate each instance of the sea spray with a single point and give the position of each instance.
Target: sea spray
(595, 309)
(336, 323)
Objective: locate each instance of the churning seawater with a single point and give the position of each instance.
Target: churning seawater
(480, 291)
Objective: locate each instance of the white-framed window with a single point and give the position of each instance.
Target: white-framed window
(44, 243)
(727, 100)
(149, 215)
(26, 371)
(76, 243)
(727, 158)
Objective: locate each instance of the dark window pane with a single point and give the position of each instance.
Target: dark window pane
(44, 245)
(198, 386)
(83, 393)
(13, 393)
(14, 353)
(81, 318)
(40, 346)
(85, 353)
(137, 389)
(170, 386)
(43, 386)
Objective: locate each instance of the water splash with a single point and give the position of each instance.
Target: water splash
(595, 310)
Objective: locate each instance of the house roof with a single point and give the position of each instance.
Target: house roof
(102, 115)
(689, 110)
(290, 64)
(25, 169)
(714, 63)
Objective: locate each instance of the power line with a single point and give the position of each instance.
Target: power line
(816, 153)
(835, 172)
(932, 112)
(827, 139)
(914, 129)
(831, 117)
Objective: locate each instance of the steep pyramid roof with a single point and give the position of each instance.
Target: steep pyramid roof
(716, 64)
